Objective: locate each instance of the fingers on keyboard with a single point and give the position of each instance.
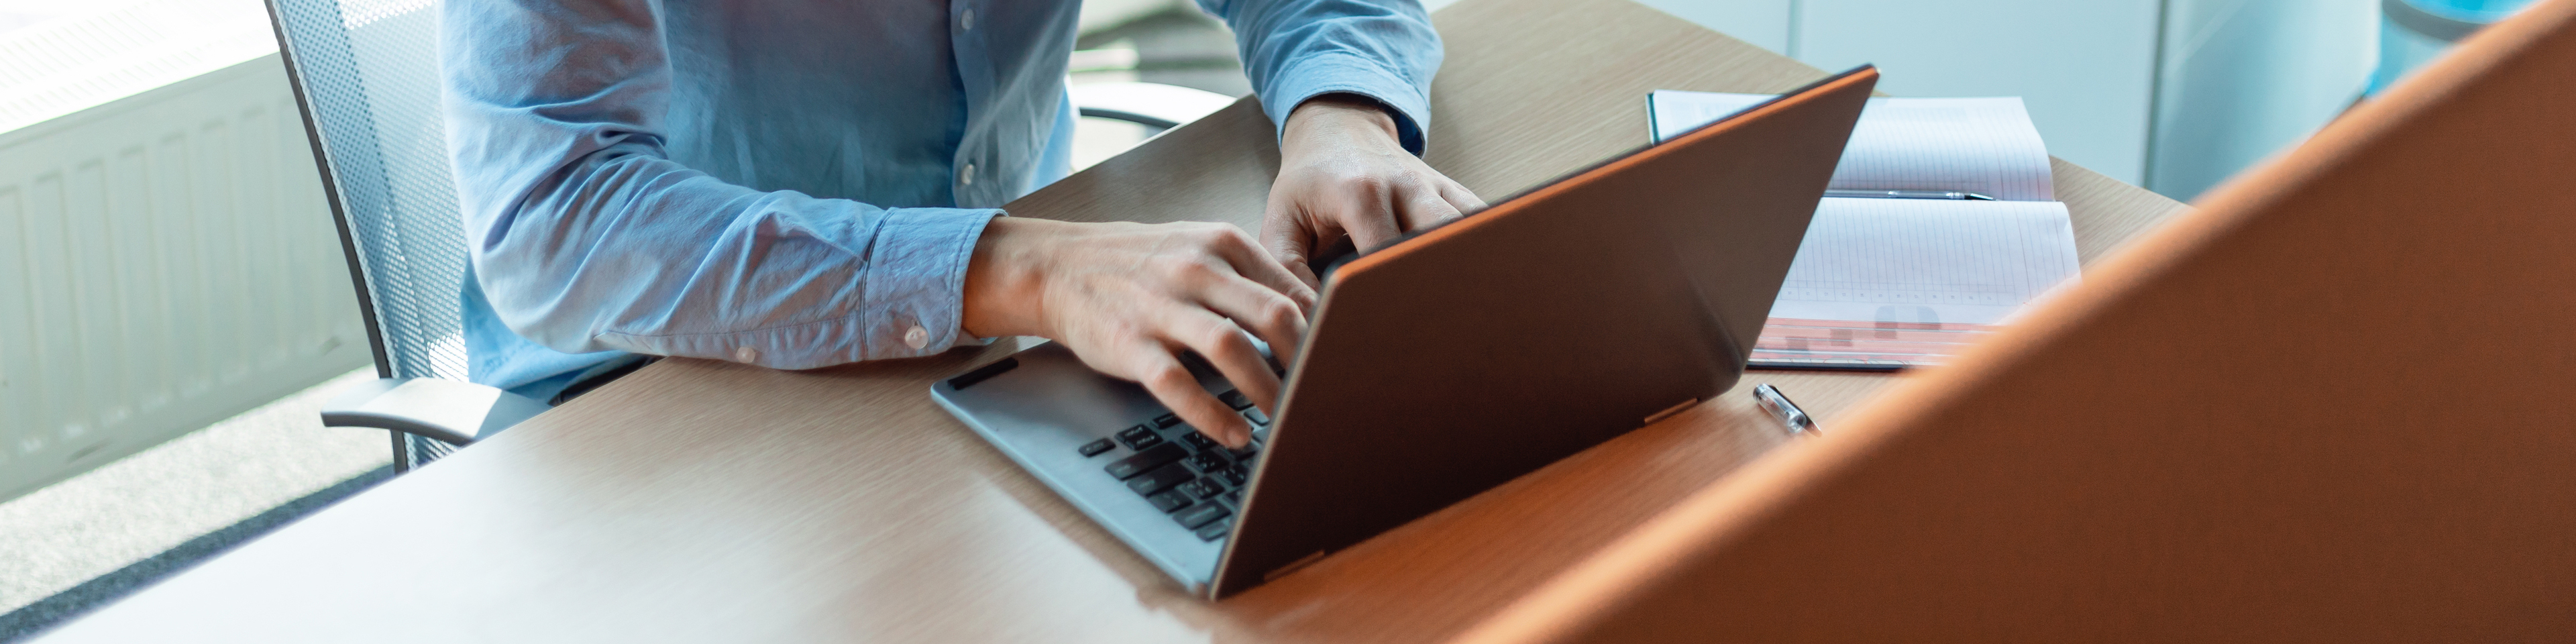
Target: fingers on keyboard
(1184, 473)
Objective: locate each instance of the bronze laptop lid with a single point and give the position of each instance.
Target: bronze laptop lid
(1472, 353)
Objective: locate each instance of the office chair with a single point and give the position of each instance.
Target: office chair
(1156, 106)
(365, 76)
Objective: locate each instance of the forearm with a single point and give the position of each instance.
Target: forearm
(1005, 282)
(587, 237)
(633, 252)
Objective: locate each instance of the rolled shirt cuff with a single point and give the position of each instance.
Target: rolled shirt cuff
(909, 300)
(1339, 73)
(913, 294)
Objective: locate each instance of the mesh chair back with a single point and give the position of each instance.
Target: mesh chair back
(366, 74)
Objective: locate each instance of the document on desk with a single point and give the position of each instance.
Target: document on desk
(1981, 145)
(1884, 283)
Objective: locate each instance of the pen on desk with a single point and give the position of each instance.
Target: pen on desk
(1909, 194)
(1778, 404)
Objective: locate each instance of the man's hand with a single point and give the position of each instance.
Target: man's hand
(1129, 297)
(1343, 172)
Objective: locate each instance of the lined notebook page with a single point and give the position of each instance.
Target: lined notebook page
(1982, 145)
(1927, 261)
(1886, 283)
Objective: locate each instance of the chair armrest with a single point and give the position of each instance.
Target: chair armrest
(1153, 105)
(447, 410)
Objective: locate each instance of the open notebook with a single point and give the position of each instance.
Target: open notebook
(1886, 283)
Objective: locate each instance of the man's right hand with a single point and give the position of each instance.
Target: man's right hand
(1128, 298)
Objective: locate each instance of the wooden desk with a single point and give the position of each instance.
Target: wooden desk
(708, 501)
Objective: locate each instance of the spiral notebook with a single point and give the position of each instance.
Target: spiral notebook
(1887, 283)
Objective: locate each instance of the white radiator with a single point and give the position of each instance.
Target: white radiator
(166, 261)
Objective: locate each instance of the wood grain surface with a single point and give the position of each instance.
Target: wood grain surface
(708, 501)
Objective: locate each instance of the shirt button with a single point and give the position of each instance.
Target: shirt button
(916, 337)
(966, 175)
(966, 20)
(746, 355)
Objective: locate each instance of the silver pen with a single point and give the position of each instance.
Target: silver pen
(1909, 194)
(1778, 404)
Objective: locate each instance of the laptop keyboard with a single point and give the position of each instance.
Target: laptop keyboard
(1182, 472)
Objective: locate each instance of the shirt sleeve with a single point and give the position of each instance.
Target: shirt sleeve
(1299, 49)
(586, 236)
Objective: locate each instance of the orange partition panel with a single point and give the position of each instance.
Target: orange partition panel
(2337, 403)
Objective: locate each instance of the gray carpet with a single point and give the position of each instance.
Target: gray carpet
(26, 622)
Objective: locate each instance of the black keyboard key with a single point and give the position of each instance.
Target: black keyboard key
(1169, 500)
(1138, 437)
(1237, 476)
(1199, 441)
(1201, 515)
(1095, 448)
(1166, 420)
(1146, 460)
(1202, 488)
(1257, 417)
(1159, 480)
(1214, 531)
(1234, 399)
(1209, 463)
(1235, 497)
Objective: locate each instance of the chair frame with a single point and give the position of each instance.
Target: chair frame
(449, 412)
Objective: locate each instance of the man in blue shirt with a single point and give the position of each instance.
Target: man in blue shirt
(802, 183)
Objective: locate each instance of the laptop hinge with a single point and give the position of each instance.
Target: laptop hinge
(1292, 566)
(1669, 411)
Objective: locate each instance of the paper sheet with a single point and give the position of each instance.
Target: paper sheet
(1982, 145)
(1927, 260)
(1910, 281)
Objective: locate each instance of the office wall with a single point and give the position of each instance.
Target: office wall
(2174, 95)
(2244, 79)
(2085, 68)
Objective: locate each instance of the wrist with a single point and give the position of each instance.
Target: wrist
(1004, 279)
(1345, 114)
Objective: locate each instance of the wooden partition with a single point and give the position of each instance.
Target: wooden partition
(2336, 403)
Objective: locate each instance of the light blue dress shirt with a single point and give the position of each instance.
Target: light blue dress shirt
(793, 183)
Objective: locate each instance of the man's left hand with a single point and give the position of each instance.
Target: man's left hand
(1343, 172)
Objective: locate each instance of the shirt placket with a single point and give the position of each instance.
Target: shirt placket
(971, 178)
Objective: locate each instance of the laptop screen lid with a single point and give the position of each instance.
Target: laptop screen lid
(1468, 354)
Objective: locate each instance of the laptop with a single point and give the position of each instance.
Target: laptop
(1451, 360)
